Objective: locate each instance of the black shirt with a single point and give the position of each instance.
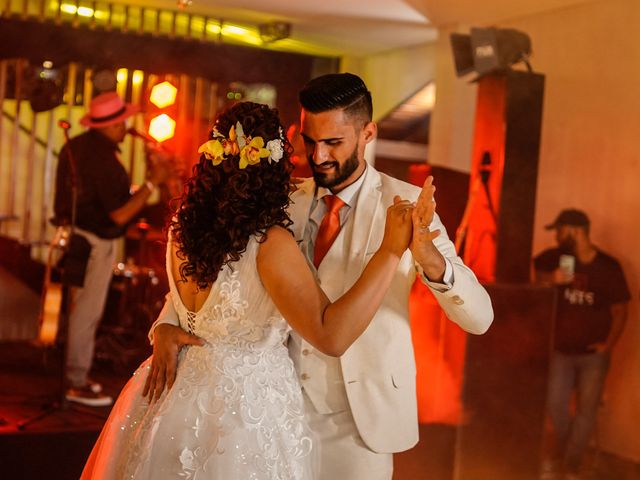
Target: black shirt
(103, 184)
(584, 306)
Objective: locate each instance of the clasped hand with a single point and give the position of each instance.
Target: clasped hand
(408, 226)
(424, 251)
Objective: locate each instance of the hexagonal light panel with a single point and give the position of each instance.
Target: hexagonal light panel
(163, 94)
(162, 127)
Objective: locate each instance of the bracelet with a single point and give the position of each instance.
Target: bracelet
(150, 185)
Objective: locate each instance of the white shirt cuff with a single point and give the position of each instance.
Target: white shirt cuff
(447, 281)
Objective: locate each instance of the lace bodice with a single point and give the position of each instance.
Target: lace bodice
(238, 310)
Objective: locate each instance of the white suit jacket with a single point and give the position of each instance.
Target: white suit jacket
(379, 368)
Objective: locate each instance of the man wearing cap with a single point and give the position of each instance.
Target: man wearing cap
(591, 313)
(103, 208)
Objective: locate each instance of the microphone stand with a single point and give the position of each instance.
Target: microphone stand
(482, 178)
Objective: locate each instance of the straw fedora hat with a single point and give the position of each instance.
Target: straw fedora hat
(106, 109)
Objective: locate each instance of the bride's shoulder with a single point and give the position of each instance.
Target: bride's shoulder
(277, 234)
(276, 241)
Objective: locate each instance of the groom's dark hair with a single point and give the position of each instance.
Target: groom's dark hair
(344, 91)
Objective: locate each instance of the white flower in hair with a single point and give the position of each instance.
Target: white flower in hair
(240, 136)
(276, 150)
(216, 133)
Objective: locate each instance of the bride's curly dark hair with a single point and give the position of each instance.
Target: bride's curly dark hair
(222, 206)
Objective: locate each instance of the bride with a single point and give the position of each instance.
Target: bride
(239, 281)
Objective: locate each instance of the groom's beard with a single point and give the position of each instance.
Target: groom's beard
(342, 173)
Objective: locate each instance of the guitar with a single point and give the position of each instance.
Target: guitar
(51, 300)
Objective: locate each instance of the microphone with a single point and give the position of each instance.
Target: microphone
(64, 124)
(485, 167)
(139, 134)
(485, 172)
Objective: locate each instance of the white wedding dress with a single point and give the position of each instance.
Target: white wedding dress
(236, 408)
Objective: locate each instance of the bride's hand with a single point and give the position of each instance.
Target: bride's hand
(167, 342)
(398, 228)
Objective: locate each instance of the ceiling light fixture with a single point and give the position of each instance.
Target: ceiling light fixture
(274, 31)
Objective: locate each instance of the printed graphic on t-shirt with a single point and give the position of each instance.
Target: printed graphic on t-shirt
(578, 293)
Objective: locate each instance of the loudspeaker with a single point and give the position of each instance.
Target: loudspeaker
(489, 50)
(504, 387)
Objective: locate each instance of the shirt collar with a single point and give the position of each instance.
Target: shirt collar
(348, 194)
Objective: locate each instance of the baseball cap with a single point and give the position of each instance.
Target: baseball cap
(571, 216)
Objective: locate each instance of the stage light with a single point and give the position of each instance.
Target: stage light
(121, 75)
(213, 28)
(44, 87)
(137, 77)
(85, 12)
(242, 34)
(489, 50)
(234, 30)
(274, 31)
(162, 127)
(72, 10)
(163, 95)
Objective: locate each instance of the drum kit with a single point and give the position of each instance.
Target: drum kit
(135, 298)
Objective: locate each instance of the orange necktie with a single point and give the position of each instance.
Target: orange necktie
(329, 228)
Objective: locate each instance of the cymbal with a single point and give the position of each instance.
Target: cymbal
(143, 230)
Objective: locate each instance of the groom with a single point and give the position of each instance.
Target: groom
(361, 406)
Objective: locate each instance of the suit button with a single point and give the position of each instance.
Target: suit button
(457, 300)
(306, 351)
(304, 376)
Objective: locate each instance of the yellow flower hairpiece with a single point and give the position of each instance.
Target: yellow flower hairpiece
(251, 150)
(213, 150)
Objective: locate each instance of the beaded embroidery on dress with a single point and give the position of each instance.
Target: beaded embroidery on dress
(235, 410)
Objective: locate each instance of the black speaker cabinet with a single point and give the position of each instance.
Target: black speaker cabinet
(504, 388)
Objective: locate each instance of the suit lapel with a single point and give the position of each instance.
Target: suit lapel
(300, 208)
(364, 216)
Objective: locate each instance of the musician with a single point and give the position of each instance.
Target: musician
(103, 208)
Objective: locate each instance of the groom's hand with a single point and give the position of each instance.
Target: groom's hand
(422, 247)
(167, 342)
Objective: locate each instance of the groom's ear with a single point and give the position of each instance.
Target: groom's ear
(369, 131)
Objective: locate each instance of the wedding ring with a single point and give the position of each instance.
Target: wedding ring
(423, 226)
